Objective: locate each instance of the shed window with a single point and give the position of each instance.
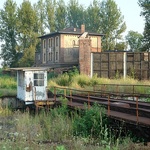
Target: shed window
(38, 79)
(20, 78)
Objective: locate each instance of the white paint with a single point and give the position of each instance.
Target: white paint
(31, 85)
(91, 65)
(124, 64)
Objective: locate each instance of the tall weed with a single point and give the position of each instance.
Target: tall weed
(90, 122)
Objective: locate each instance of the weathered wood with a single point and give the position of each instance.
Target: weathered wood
(110, 64)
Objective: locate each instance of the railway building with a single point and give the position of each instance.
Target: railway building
(77, 47)
(68, 47)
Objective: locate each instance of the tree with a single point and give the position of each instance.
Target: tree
(50, 6)
(41, 20)
(8, 34)
(121, 46)
(75, 14)
(112, 24)
(40, 11)
(145, 5)
(28, 33)
(134, 39)
(60, 15)
(92, 20)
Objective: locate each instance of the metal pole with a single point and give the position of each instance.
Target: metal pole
(88, 100)
(108, 105)
(65, 92)
(137, 113)
(124, 65)
(71, 95)
(55, 94)
(91, 65)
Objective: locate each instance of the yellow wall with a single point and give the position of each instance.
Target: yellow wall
(68, 40)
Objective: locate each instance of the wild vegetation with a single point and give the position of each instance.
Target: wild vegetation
(60, 128)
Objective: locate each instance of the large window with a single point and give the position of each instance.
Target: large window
(44, 57)
(56, 55)
(49, 42)
(44, 44)
(38, 79)
(57, 41)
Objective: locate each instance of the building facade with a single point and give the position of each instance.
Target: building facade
(62, 48)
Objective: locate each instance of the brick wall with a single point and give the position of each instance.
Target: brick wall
(85, 56)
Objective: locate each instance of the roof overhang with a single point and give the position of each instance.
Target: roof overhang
(31, 69)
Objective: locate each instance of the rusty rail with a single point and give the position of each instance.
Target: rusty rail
(69, 92)
(120, 90)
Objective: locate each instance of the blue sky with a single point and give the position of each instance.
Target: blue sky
(129, 9)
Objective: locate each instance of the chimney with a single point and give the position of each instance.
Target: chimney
(82, 28)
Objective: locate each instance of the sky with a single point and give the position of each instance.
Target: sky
(129, 9)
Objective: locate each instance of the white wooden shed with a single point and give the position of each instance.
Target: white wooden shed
(31, 84)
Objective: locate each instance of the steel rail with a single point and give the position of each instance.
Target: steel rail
(78, 97)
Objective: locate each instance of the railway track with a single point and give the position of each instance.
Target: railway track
(134, 112)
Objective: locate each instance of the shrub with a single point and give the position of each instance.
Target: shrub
(91, 122)
(81, 80)
(63, 80)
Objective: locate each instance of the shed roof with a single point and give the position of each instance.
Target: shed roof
(31, 69)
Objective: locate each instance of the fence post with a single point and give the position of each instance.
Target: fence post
(108, 104)
(88, 100)
(71, 95)
(137, 113)
(55, 94)
(65, 93)
(133, 92)
(124, 65)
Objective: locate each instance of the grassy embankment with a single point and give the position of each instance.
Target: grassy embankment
(61, 129)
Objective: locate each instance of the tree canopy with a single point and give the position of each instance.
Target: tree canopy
(134, 40)
(8, 33)
(145, 5)
(112, 24)
(21, 25)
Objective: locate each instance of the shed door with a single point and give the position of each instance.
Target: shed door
(28, 85)
(39, 86)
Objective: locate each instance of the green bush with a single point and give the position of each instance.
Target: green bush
(90, 122)
(63, 80)
(8, 82)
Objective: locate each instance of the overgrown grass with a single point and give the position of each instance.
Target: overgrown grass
(87, 83)
(60, 129)
(8, 85)
(74, 80)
